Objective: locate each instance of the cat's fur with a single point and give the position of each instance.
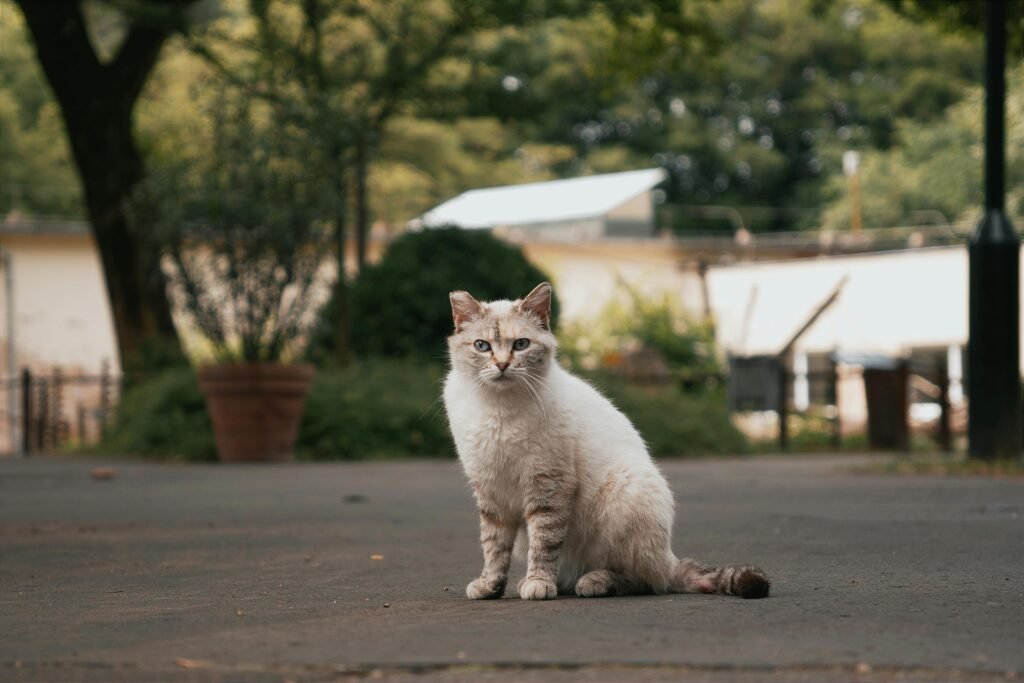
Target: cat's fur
(553, 462)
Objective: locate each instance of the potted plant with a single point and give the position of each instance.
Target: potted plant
(244, 245)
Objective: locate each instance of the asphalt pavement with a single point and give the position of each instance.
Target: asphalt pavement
(356, 571)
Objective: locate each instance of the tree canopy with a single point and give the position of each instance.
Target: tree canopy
(746, 103)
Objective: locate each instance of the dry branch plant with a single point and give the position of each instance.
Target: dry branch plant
(242, 233)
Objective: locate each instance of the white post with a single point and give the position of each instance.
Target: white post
(801, 387)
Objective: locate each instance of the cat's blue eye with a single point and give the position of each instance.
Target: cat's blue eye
(520, 344)
(481, 345)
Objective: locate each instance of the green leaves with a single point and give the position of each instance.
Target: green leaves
(400, 306)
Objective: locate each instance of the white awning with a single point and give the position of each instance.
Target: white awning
(547, 202)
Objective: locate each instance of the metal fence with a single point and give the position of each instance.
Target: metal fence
(45, 411)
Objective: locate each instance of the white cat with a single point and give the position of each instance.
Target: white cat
(548, 455)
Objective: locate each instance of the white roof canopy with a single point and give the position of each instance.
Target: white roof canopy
(547, 202)
(891, 302)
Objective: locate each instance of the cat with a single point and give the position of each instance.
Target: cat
(555, 465)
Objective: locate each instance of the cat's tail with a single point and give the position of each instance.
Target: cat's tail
(742, 580)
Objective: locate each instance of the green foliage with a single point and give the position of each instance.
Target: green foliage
(936, 166)
(674, 423)
(366, 411)
(163, 415)
(762, 120)
(376, 409)
(644, 322)
(36, 173)
(746, 103)
(400, 305)
(392, 409)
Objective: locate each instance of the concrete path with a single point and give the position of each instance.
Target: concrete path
(356, 571)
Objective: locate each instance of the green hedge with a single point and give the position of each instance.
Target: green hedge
(162, 416)
(399, 306)
(672, 422)
(376, 409)
(392, 409)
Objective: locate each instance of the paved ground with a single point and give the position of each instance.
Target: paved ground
(338, 572)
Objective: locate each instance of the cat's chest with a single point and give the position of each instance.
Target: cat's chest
(489, 434)
(497, 447)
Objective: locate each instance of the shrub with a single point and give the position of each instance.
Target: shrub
(163, 415)
(371, 410)
(400, 305)
(393, 409)
(376, 409)
(674, 423)
(659, 324)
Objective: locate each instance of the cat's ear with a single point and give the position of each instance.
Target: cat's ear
(464, 308)
(538, 302)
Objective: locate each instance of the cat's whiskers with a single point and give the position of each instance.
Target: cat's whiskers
(528, 383)
(435, 402)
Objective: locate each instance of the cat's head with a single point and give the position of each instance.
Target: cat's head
(503, 344)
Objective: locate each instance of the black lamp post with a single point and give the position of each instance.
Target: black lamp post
(993, 354)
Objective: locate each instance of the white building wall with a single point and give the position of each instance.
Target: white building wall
(61, 312)
(891, 302)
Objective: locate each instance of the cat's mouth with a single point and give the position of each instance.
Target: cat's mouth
(500, 379)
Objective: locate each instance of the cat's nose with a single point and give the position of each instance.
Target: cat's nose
(502, 366)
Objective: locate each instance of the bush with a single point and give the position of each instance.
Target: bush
(371, 410)
(674, 423)
(659, 324)
(400, 305)
(393, 409)
(164, 415)
(374, 410)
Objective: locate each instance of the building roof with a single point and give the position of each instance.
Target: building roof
(547, 202)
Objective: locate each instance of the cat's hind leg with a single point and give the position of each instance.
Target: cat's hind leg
(604, 583)
(743, 581)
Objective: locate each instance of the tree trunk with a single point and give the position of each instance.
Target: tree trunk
(97, 101)
(362, 204)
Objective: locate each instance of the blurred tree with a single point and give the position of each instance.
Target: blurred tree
(345, 69)
(239, 226)
(936, 166)
(97, 93)
(757, 114)
(746, 103)
(339, 70)
(966, 16)
(37, 176)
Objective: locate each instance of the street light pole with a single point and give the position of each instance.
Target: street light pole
(993, 358)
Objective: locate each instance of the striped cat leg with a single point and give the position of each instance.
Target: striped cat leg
(497, 537)
(547, 517)
(744, 581)
(606, 583)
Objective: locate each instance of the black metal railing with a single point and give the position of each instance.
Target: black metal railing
(45, 411)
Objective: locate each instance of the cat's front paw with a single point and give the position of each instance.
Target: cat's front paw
(485, 588)
(533, 588)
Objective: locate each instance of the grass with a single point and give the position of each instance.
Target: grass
(945, 465)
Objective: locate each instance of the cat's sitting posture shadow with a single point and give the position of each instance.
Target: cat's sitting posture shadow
(554, 463)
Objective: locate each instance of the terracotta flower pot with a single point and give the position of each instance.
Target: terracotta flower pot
(255, 408)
